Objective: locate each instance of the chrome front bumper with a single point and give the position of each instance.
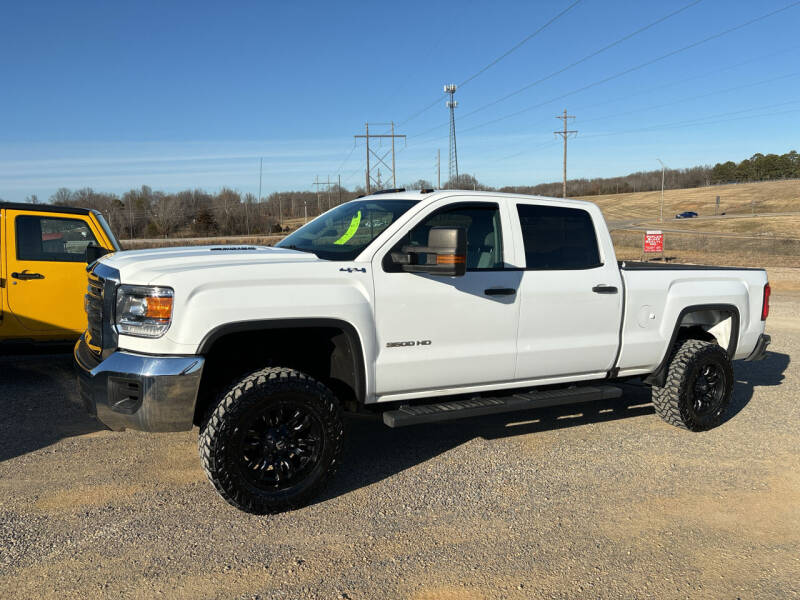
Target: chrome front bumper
(136, 391)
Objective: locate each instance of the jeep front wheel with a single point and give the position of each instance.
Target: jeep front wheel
(272, 441)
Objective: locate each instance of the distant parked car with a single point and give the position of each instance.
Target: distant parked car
(686, 215)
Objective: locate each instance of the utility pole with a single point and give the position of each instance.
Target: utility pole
(260, 165)
(452, 104)
(438, 169)
(327, 182)
(565, 134)
(340, 188)
(380, 159)
(661, 214)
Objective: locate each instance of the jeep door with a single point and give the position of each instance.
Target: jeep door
(46, 270)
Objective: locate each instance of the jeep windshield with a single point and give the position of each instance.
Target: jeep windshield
(342, 233)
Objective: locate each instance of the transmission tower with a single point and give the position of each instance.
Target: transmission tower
(380, 158)
(565, 134)
(451, 104)
(319, 183)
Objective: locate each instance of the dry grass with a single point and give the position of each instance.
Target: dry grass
(241, 240)
(785, 226)
(764, 197)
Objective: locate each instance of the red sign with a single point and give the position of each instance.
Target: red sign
(653, 241)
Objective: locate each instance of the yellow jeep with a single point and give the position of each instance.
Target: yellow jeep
(44, 250)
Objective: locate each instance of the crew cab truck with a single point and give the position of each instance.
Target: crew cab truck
(422, 306)
(43, 255)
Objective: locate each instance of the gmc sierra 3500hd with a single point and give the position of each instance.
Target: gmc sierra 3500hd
(425, 306)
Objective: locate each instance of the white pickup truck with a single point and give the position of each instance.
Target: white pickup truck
(423, 306)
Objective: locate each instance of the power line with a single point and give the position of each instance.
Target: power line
(573, 64)
(630, 69)
(703, 120)
(514, 48)
(690, 98)
(585, 58)
(680, 100)
(346, 158)
(523, 42)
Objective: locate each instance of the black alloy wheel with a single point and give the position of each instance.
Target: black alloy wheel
(272, 441)
(708, 389)
(281, 444)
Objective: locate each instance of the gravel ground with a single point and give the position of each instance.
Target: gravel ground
(598, 501)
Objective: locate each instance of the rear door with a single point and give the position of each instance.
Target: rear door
(571, 294)
(46, 269)
(434, 332)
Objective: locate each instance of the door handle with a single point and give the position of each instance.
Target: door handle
(500, 291)
(25, 275)
(604, 289)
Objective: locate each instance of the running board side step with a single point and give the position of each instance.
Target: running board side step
(479, 406)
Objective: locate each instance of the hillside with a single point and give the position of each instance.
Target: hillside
(763, 197)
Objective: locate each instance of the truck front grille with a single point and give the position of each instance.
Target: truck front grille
(94, 313)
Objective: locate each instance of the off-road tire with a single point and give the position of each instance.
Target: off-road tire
(675, 402)
(220, 434)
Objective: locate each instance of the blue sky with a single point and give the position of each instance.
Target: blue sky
(115, 95)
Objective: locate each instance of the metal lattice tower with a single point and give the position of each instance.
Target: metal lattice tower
(379, 158)
(451, 104)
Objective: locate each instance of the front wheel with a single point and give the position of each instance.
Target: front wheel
(272, 441)
(698, 387)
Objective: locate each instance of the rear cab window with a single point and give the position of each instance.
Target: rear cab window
(55, 239)
(558, 238)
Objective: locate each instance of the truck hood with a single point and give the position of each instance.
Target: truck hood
(143, 266)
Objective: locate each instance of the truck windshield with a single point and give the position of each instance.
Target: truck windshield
(342, 233)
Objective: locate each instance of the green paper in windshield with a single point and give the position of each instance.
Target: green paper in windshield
(351, 231)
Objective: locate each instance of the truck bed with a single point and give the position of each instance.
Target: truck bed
(628, 265)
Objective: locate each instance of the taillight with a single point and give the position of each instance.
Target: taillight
(765, 305)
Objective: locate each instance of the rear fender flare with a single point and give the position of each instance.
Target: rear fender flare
(658, 377)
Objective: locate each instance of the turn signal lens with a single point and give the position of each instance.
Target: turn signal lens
(765, 305)
(450, 259)
(159, 308)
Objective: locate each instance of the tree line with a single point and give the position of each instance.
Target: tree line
(147, 213)
(759, 167)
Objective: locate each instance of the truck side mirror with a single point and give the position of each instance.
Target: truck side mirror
(94, 252)
(445, 254)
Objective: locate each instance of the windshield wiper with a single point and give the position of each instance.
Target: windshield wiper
(293, 247)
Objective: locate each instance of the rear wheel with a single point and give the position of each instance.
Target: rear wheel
(272, 441)
(698, 387)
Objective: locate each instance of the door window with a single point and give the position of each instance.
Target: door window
(558, 238)
(484, 235)
(52, 239)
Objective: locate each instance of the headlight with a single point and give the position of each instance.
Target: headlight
(143, 311)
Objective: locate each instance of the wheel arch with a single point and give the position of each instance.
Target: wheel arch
(333, 346)
(696, 322)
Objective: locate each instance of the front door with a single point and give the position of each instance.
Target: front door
(46, 270)
(437, 333)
